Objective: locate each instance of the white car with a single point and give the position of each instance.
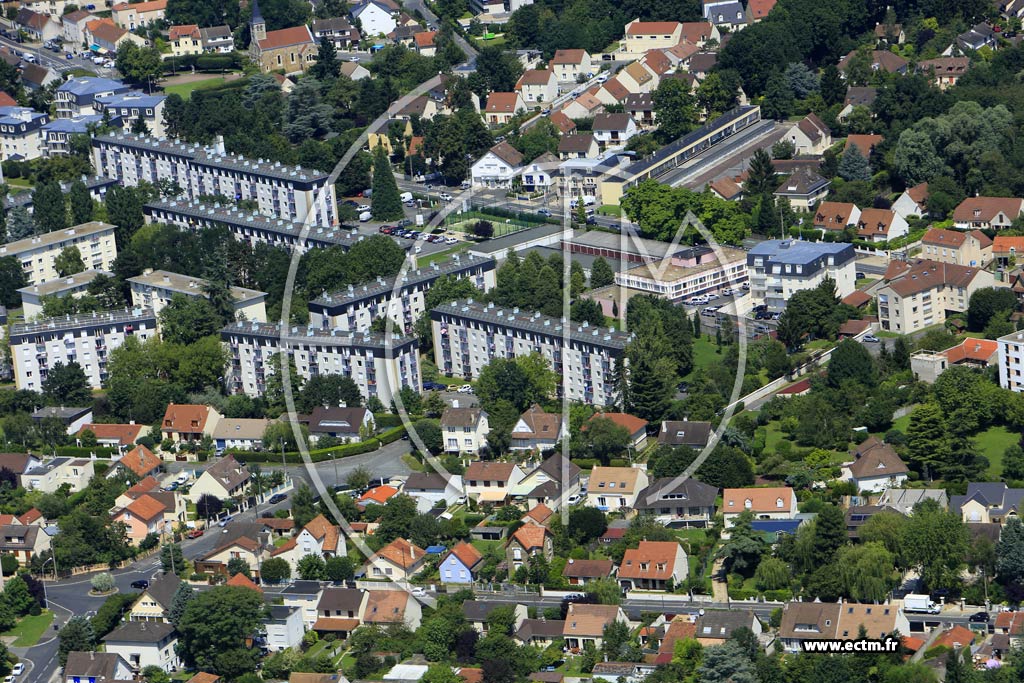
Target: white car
(363, 207)
(444, 197)
(418, 592)
(573, 499)
(9, 679)
(871, 339)
(18, 669)
(450, 240)
(466, 389)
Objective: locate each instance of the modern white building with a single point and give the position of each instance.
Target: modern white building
(155, 288)
(290, 193)
(684, 276)
(780, 268)
(85, 339)
(284, 627)
(498, 167)
(376, 18)
(21, 133)
(58, 133)
(402, 300)
(94, 241)
(77, 96)
(468, 335)
(379, 366)
(132, 106)
(1011, 361)
(74, 285)
(145, 643)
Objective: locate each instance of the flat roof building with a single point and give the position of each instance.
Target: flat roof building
(94, 241)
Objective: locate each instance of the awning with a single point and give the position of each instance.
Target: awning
(493, 496)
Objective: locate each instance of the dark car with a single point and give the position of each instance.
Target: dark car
(979, 618)
(591, 220)
(434, 386)
(277, 498)
(141, 584)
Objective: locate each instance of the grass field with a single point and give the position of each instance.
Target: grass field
(185, 89)
(865, 281)
(991, 443)
(29, 630)
(704, 355)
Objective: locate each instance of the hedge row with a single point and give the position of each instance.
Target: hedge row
(83, 452)
(323, 454)
(208, 62)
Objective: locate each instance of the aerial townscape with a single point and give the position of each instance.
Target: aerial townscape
(496, 341)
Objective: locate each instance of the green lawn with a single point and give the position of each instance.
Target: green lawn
(991, 443)
(902, 423)
(441, 256)
(414, 464)
(704, 354)
(865, 281)
(29, 630)
(610, 210)
(185, 89)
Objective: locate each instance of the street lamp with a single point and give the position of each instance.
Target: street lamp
(51, 558)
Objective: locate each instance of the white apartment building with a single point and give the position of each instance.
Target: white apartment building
(155, 288)
(356, 308)
(21, 133)
(248, 227)
(73, 285)
(289, 193)
(132, 106)
(922, 293)
(1011, 361)
(77, 96)
(379, 366)
(704, 271)
(85, 339)
(468, 335)
(95, 242)
(780, 268)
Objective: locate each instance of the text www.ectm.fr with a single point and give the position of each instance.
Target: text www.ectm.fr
(848, 646)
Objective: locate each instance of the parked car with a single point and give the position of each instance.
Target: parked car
(444, 197)
(544, 212)
(195, 533)
(710, 311)
(418, 592)
(277, 498)
(363, 207)
(224, 522)
(979, 618)
(18, 669)
(141, 584)
(573, 499)
(871, 339)
(466, 389)
(434, 386)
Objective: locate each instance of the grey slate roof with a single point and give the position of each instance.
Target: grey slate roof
(140, 632)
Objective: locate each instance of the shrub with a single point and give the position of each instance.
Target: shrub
(102, 583)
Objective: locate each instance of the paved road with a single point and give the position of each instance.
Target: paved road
(56, 60)
(412, 5)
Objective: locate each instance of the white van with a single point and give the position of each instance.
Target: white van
(365, 216)
(182, 478)
(406, 196)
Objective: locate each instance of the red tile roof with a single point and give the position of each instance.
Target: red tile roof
(530, 536)
(759, 9)
(761, 499)
(379, 494)
(125, 434)
(568, 56)
(141, 461)
(865, 143)
(632, 423)
(697, 31)
(146, 508)
(468, 555)
(285, 37)
(402, 553)
(648, 28)
(987, 208)
(980, 350)
(424, 39)
(502, 102)
(654, 560)
(191, 30)
(1002, 244)
(240, 580)
(186, 418)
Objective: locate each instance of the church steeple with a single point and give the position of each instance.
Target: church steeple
(257, 27)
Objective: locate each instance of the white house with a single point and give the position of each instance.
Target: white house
(284, 627)
(224, 479)
(876, 467)
(613, 130)
(145, 643)
(376, 18)
(913, 201)
(430, 488)
(614, 488)
(766, 503)
(538, 85)
(491, 482)
(569, 65)
(319, 537)
(498, 167)
(464, 430)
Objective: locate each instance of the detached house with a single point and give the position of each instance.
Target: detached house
(834, 217)
(145, 643)
(464, 430)
(635, 426)
(142, 517)
(537, 430)
(766, 503)
(569, 65)
(338, 30)
(154, 602)
(184, 422)
(227, 478)
(338, 610)
(131, 16)
(23, 542)
(582, 572)
(980, 213)
(528, 541)
(684, 504)
(537, 85)
(973, 248)
(654, 565)
(430, 489)
(810, 135)
(684, 433)
(141, 462)
(578, 146)
(498, 167)
(550, 483)
(615, 488)
(39, 27)
(880, 225)
(398, 560)
(387, 607)
(292, 49)
(502, 107)
(912, 202)
(319, 537)
(877, 467)
(613, 130)
(804, 189)
(641, 36)
(460, 564)
(491, 482)
(807, 621)
(377, 18)
(96, 667)
(585, 623)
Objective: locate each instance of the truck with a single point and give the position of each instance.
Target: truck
(919, 603)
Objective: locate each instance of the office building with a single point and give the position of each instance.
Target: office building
(355, 308)
(379, 366)
(468, 335)
(94, 241)
(290, 193)
(86, 339)
(780, 268)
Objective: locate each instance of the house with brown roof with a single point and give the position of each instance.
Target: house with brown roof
(880, 60)
(614, 130)
(612, 92)
(881, 225)
(615, 488)
(834, 217)
(387, 607)
(810, 135)
(699, 33)
(19, 463)
(527, 542)
(502, 107)
(585, 623)
(141, 462)
(464, 430)
(156, 599)
(249, 549)
(142, 517)
(478, 613)
(399, 560)
(694, 434)
(638, 77)
(803, 189)
(641, 36)
(1006, 247)
(578, 146)
(876, 466)
(189, 422)
(921, 293)
(37, 25)
(757, 10)
(498, 167)
(973, 248)
(1011, 624)
(292, 49)
(582, 572)
(424, 42)
(944, 71)
(912, 202)
(131, 16)
(637, 427)
(857, 96)
(583, 106)
(569, 65)
(540, 633)
(864, 143)
(878, 621)
(23, 541)
(460, 564)
(116, 435)
(974, 353)
(105, 34)
(431, 489)
(727, 189)
(807, 621)
(777, 502)
(701, 64)
(338, 609)
(715, 626)
(491, 482)
(980, 213)
(185, 39)
(319, 537)
(537, 430)
(654, 565)
(537, 85)
(226, 478)
(562, 122)
(549, 484)
(640, 107)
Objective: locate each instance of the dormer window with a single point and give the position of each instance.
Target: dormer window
(748, 503)
(778, 502)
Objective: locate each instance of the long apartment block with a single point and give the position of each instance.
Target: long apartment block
(400, 298)
(94, 241)
(380, 366)
(468, 335)
(85, 339)
(291, 193)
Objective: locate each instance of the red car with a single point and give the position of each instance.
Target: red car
(195, 533)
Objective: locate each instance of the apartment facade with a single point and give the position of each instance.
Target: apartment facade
(280, 191)
(155, 288)
(703, 272)
(780, 268)
(973, 248)
(1011, 361)
(77, 96)
(379, 366)
(400, 299)
(85, 339)
(94, 241)
(916, 295)
(21, 133)
(468, 335)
